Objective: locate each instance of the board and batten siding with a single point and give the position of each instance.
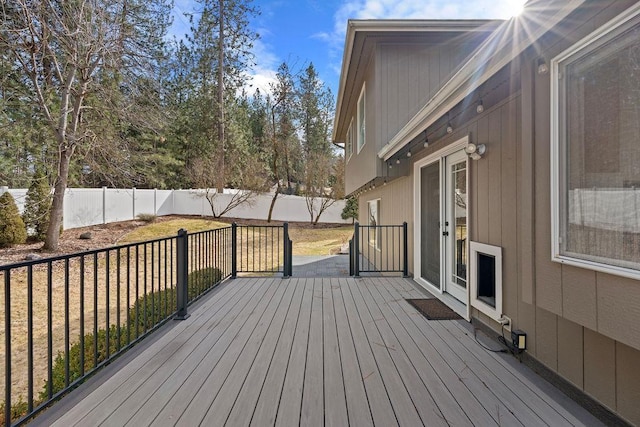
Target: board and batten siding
(580, 323)
(363, 166)
(409, 75)
(396, 207)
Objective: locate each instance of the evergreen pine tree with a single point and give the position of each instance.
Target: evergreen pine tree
(350, 209)
(12, 229)
(37, 205)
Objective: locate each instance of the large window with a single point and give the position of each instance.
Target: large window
(361, 120)
(374, 222)
(596, 136)
(349, 142)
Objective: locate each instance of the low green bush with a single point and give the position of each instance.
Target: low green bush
(18, 409)
(12, 228)
(37, 206)
(147, 217)
(157, 306)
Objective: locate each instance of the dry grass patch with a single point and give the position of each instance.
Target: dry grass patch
(121, 279)
(319, 241)
(170, 228)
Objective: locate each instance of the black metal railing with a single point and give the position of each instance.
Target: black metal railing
(261, 249)
(66, 316)
(378, 249)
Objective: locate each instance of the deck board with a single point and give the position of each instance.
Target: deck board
(358, 409)
(291, 398)
(335, 408)
(267, 373)
(316, 351)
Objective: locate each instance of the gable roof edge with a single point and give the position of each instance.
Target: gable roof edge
(397, 25)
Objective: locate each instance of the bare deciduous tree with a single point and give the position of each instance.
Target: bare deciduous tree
(64, 50)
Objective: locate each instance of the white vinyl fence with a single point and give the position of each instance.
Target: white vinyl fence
(91, 206)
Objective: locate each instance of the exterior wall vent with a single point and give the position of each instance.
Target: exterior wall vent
(486, 278)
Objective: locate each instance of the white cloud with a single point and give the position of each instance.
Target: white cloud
(264, 72)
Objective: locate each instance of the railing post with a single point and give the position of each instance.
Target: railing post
(405, 250)
(7, 344)
(350, 257)
(182, 255)
(287, 251)
(356, 249)
(234, 250)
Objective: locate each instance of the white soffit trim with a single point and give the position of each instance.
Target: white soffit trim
(397, 26)
(497, 51)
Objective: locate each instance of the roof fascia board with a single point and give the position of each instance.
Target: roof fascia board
(494, 51)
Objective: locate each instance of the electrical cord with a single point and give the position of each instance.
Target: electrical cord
(502, 350)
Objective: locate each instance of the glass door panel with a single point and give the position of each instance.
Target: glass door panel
(430, 223)
(456, 221)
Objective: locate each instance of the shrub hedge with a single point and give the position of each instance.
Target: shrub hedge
(12, 228)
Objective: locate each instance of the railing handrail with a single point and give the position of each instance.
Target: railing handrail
(381, 257)
(119, 287)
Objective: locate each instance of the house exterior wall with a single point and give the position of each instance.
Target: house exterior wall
(409, 75)
(585, 322)
(363, 166)
(580, 323)
(396, 207)
(399, 79)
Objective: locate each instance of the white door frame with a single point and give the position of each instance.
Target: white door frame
(463, 309)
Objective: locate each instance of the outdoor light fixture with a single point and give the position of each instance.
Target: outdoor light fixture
(480, 107)
(408, 153)
(449, 128)
(426, 143)
(475, 151)
(543, 68)
(398, 162)
(390, 166)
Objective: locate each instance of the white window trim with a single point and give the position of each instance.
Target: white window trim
(496, 251)
(556, 147)
(364, 104)
(349, 153)
(437, 289)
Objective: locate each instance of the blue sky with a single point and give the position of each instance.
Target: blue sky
(303, 31)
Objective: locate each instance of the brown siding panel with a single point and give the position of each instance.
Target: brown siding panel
(482, 185)
(619, 309)
(628, 383)
(600, 367)
(547, 338)
(509, 194)
(548, 275)
(527, 184)
(579, 295)
(570, 351)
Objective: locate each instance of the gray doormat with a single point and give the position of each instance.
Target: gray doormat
(434, 309)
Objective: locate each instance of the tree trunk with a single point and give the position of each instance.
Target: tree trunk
(57, 205)
(273, 202)
(221, 136)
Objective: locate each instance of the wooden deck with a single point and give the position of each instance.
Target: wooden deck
(314, 351)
